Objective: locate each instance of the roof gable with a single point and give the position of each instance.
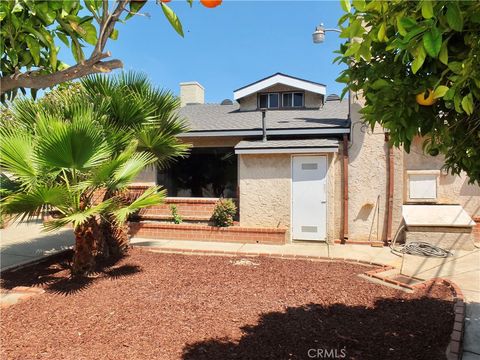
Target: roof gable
(279, 78)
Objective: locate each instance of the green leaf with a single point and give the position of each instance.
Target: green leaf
(17, 8)
(379, 84)
(400, 27)
(114, 34)
(408, 22)
(2, 15)
(440, 91)
(77, 52)
(90, 35)
(443, 55)
(427, 9)
(419, 59)
(467, 104)
(135, 7)
(454, 16)
(381, 32)
(34, 48)
(173, 19)
(456, 67)
(360, 5)
(432, 42)
(63, 38)
(345, 5)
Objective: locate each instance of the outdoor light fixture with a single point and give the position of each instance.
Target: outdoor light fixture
(319, 33)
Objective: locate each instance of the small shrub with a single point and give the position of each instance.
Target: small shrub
(223, 213)
(177, 219)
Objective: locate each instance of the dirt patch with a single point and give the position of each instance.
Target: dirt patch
(168, 306)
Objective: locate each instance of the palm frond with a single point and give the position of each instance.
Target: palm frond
(75, 145)
(26, 205)
(129, 169)
(17, 155)
(151, 196)
(79, 217)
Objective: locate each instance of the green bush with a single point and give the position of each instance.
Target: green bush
(224, 212)
(177, 219)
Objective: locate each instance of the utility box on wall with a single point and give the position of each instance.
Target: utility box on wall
(422, 186)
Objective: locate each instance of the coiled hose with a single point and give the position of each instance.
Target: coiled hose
(419, 248)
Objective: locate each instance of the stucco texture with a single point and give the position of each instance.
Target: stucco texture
(368, 182)
(451, 189)
(265, 192)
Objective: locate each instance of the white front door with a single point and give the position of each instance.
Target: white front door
(309, 197)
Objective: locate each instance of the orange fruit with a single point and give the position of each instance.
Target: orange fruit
(211, 3)
(426, 101)
(165, 1)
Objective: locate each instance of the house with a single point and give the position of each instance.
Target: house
(302, 166)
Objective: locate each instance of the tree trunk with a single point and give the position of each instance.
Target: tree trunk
(115, 238)
(83, 259)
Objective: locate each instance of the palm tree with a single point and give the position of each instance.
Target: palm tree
(134, 116)
(61, 163)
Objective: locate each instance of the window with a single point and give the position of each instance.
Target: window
(272, 100)
(269, 101)
(292, 99)
(206, 172)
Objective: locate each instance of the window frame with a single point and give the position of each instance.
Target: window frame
(280, 100)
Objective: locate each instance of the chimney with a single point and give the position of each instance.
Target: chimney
(191, 93)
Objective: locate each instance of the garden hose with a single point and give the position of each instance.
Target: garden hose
(419, 248)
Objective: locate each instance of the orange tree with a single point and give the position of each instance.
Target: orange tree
(417, 64)
(30, 31)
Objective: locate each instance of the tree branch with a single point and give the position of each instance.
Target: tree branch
(35, 80)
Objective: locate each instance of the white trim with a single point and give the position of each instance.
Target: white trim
(288, 151)
(279, 79)
(307, 131)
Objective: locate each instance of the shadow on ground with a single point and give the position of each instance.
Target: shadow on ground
(53, 275)
(393, 329)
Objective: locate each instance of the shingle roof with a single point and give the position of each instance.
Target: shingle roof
(214, 117)
(291, 144)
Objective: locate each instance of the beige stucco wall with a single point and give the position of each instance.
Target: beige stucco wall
(265, 192)
(191, 93)
(147, 177)
(368, 182)
(451, 189)
(249, 103)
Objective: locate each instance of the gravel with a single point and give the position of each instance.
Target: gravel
(169, 306)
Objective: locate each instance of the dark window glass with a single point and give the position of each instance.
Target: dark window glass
(287, 100)
(298, 99)
(206, 172)
(263, 102)
(273, 100)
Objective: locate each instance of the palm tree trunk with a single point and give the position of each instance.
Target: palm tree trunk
(115, 237)
(83, 259)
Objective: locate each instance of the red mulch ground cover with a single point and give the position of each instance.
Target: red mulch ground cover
(166, 306)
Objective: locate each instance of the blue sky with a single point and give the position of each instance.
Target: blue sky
(232, 45)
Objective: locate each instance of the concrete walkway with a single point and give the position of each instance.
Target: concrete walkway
(463, 268)
(25, 242)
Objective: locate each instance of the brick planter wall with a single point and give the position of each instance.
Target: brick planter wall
(192, 209)
(207, 233)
